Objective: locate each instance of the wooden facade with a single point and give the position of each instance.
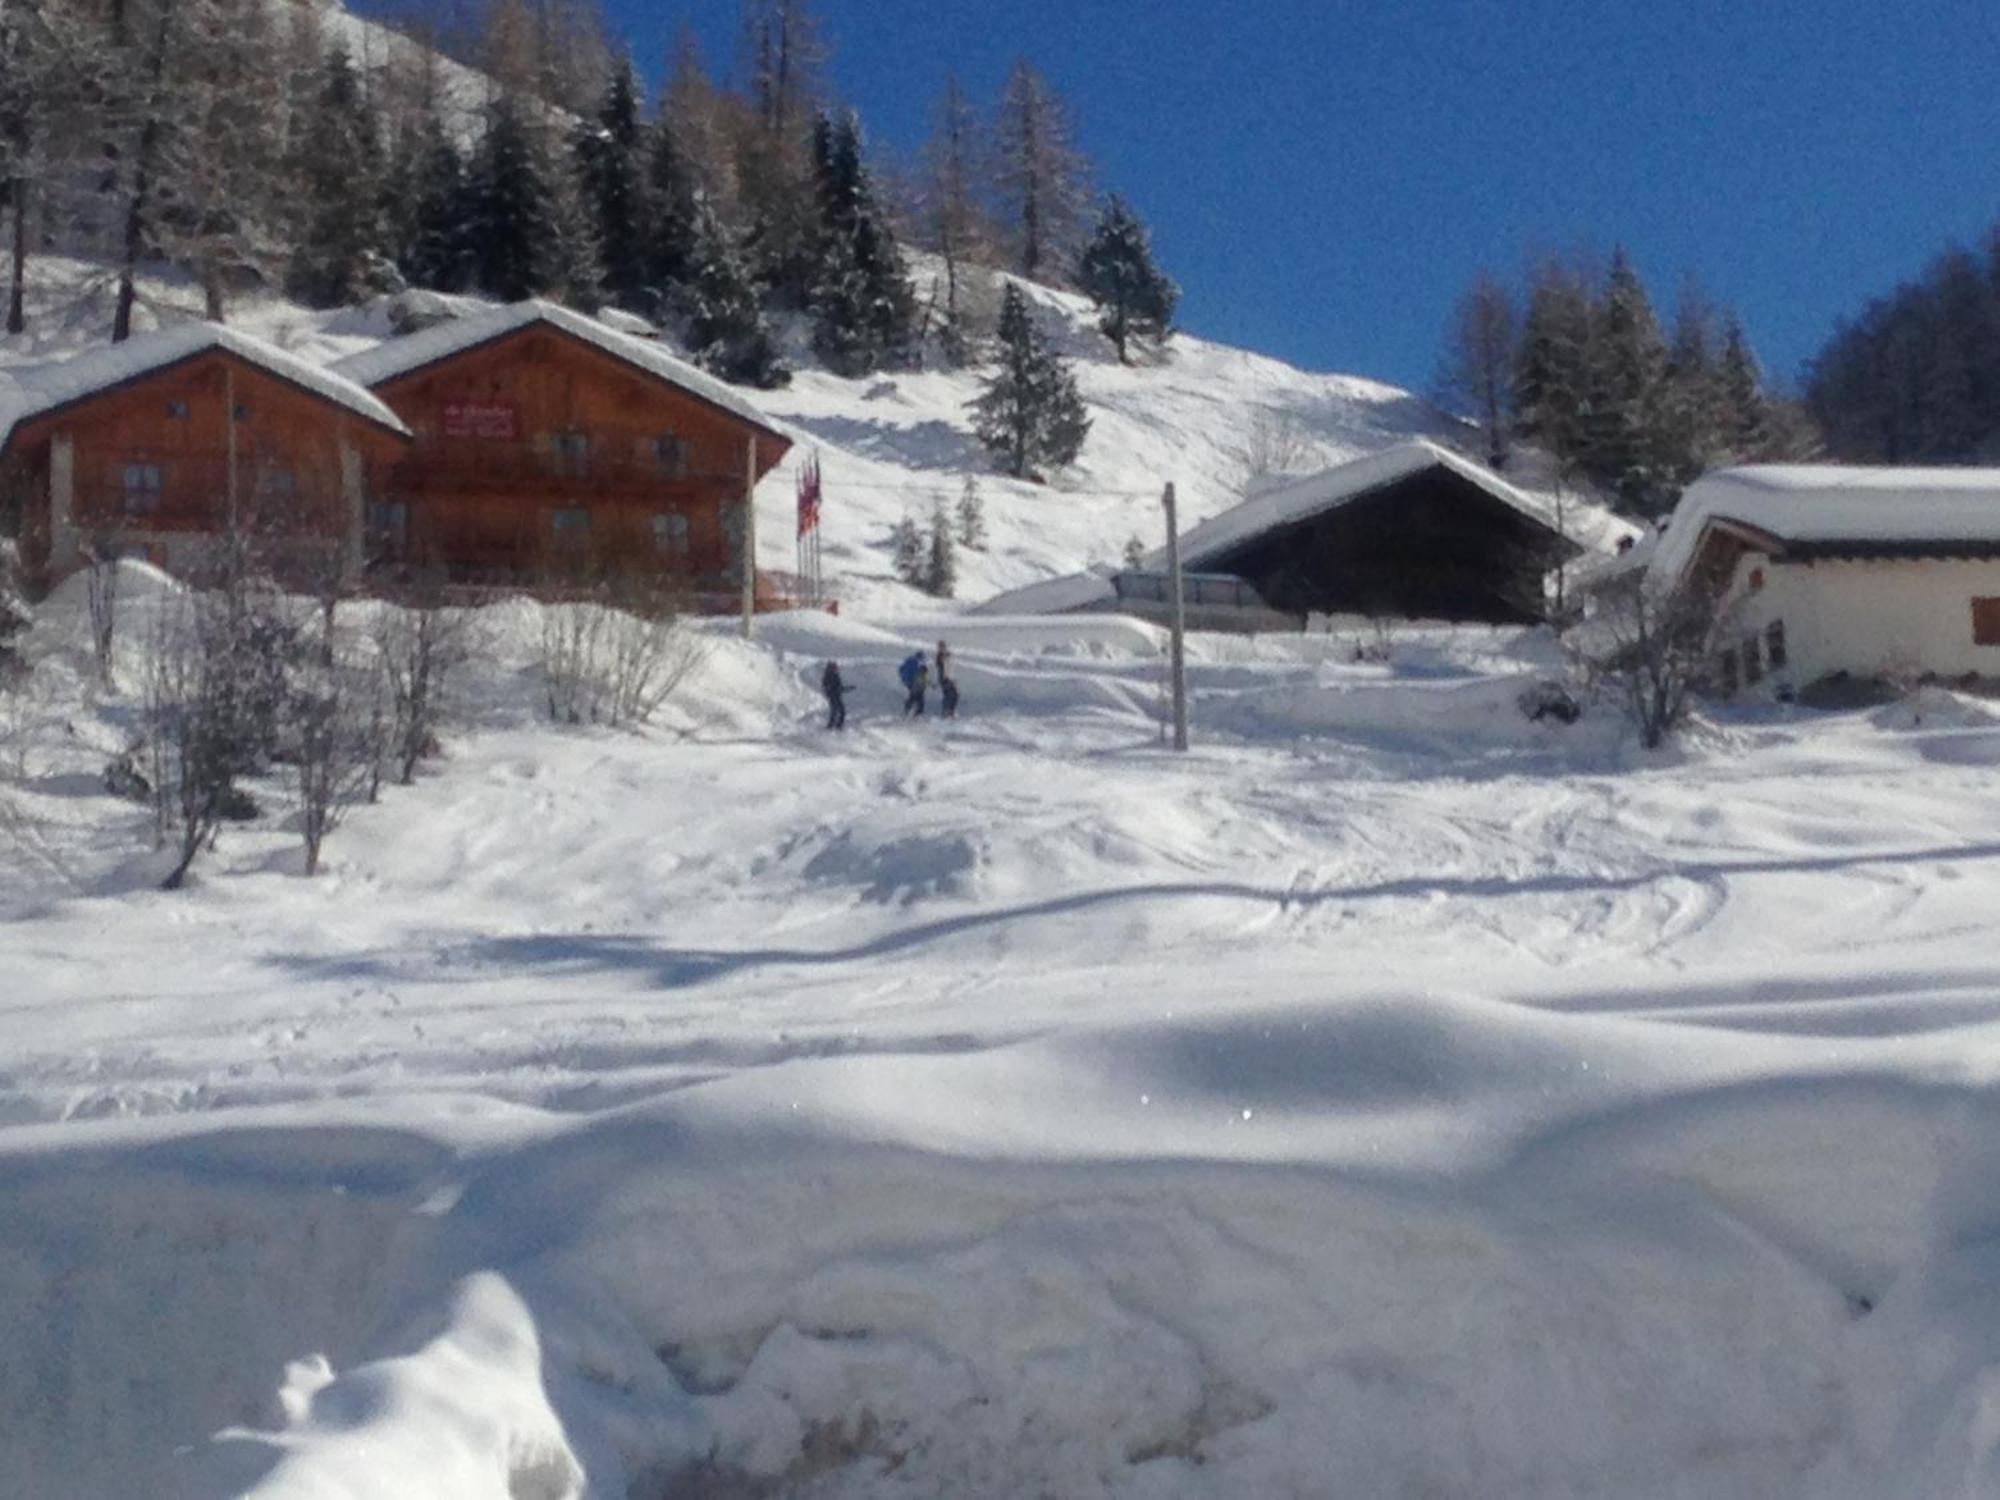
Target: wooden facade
(166, 462)
(545, 461)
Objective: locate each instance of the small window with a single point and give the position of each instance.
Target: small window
(142, 486)
(571, 522)
(1756, 579)
(1727, 674)
(571, 451)
(242, 412)
(1774, 645)
(277, 483)
(1753, 660)
(177, 411)
(389, 522)
(670, 455)
(1986, 622)
(670, 533)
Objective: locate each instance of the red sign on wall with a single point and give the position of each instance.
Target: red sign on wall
(492, 420)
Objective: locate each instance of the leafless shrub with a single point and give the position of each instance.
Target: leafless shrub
(603, 664)
(1277, 444)
(1652, 649)
(190, 727)
(419, 647)
(102, 585)
(337, 726)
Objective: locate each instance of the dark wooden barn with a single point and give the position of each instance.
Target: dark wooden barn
(1416, 532)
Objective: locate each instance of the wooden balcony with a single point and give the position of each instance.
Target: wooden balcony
(448, 465)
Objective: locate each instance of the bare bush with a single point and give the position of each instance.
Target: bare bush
(190, 728)
(1653, 649)
(1277, 444)
(419, 647)
(102, 586)
(337, 732)
(606, 665)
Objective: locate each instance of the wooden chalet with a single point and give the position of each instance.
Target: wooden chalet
(1415, 531)
(164, 445)
(551, 453)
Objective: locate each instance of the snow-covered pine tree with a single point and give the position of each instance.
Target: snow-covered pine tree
(908, 553)
(612, 153)
(671, 189)
(1134, 297)
(434, 208)
(529, 229)
(726, 327)
(783, 56)
(340, 255)
(1552, 363)
(1041, 174)
(940, 556)
(1746, 425)
(862, 306)
(1691, 433)
(1030, 415)
(971, 516)
(1623, 428)
(1479, 362)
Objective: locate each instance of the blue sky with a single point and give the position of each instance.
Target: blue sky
(1324, 177)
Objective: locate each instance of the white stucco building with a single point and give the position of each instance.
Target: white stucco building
(1822, 569)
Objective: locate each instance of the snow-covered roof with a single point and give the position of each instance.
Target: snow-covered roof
(1053, 596)
(1587, 526)
(29, 391)
(399, 356)
(1828, 506)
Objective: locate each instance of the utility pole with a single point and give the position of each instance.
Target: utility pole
(1178, 644)
(750, 538)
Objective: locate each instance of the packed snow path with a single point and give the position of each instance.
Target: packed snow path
(1430, 1104)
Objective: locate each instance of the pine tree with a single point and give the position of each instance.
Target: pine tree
(1479, 363)
(726, 327)
(613, 157)
(341, 255)
(1746, 418)
(1691, 401)
(1041, 174)
(940, 557)
(783, 57)
(1623, 426)
(1552, 364)
(971, 516)
(436, 207)
(670, 250)
(1135, 299)
(909, 554)
(1030, 414)
(528, 226)
(861, 300)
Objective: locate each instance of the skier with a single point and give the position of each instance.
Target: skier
(836, 696)
(947, 684)
(916, 675)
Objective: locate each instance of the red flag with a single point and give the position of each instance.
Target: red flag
(809, 495)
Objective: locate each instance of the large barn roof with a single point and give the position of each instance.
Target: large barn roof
(1588, 527)
(31, 391)
(401, 356)
(1829, 509)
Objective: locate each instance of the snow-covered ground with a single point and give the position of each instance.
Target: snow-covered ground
(1391, 1097)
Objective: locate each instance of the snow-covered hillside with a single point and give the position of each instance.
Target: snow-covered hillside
(901, 443)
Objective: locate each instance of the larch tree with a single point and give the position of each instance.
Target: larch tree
(952, 208)
(1041, 175)
(1030, 415)
(1480, 357)
(1135, 298)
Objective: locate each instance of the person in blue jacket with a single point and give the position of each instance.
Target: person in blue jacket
(916, 675)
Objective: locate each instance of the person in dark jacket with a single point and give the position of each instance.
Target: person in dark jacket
(835, 689)
(947, 684)
(916, 675)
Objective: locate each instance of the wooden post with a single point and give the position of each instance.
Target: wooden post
(1178, 644)
(750, 538)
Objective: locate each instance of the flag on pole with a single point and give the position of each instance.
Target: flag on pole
(809, 494)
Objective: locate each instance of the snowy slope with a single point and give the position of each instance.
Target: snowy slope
(1392, 1097)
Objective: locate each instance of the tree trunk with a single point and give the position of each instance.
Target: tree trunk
(17, 317)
